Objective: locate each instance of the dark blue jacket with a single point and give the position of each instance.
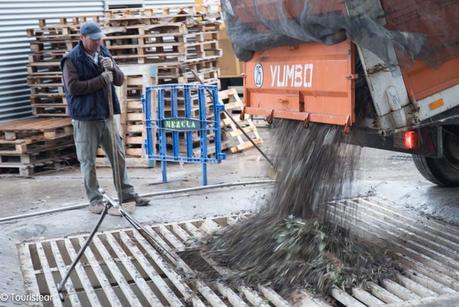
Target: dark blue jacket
(90, 106)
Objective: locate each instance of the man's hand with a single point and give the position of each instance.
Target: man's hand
(107, 63)
(108, 77)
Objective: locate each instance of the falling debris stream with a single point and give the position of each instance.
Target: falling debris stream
(290, 243)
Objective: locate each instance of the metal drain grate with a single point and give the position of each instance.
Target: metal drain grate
(427, 250)
(121, 269)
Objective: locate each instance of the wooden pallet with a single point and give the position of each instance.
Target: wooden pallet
(239, 142)
(45, 101)
(178, 50)
(66, 29)
(133, 118)
(48, 97)
(64, 22)
(206, 70)
(46, 57)
(53, 152)
(50, 110)
(41, 68)
(56, 46)
(45, 79)
(162, 33)
(163, 42)
(167, 57)
(26, 170)
(126, 17)
(210, 76)
(52, 41)
(38, 128)
(55, 34)
(32, 144)
(153, 32)
(173, 71)
(48, 90)
(28, 146)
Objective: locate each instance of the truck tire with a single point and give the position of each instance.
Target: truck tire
(445, 171)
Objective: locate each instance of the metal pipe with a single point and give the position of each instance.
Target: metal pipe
(207, 187)
(160, 193)
(61, 285)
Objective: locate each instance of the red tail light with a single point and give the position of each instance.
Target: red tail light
(410, 140)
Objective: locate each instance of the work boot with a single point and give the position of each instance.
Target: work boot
(139, 201)
(97, 206)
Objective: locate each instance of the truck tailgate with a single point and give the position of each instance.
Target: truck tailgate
(310, 82)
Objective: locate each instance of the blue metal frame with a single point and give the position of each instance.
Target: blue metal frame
(205, 126)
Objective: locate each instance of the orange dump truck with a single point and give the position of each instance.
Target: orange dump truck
(397, 89)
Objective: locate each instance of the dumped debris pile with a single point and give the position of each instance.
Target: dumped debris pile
(290, 242)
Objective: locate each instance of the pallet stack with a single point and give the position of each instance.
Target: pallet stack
(164, 36)
(45, 142)
(176, 40)
(31, 145)
(132, 118)
(173, 41)
(44, 73)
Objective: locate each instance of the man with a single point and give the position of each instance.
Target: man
(88, 73)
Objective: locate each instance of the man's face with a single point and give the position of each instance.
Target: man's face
(91, 46)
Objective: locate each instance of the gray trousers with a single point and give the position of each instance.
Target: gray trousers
(88, 136)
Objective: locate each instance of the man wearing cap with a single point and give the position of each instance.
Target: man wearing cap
(88, 73)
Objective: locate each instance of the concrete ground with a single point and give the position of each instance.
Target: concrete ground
(386, 174)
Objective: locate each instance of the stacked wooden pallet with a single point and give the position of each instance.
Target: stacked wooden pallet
(167, 35)
(132, 119)
(207, 70)
(32, 145)
(177, 40)
(44, 73)
(169, 43)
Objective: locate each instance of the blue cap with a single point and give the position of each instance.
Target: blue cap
(91, 29)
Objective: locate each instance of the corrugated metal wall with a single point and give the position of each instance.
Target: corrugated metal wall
(18, 15)
(15, 17)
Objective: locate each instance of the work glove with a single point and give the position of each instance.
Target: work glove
(107, 63)
(108, 77)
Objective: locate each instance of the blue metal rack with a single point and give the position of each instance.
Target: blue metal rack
(175, 125)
